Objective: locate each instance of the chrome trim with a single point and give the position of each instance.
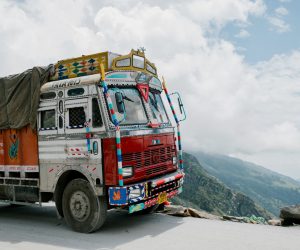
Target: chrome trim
(110, 134)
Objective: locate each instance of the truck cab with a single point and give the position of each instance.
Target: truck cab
(104, 140)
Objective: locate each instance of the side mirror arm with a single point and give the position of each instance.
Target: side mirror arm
(181, 106)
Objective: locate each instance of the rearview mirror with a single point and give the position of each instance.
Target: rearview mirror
(120, 102)
(180, 105)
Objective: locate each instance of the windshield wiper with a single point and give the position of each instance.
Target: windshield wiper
(127, 98)
(154, 103)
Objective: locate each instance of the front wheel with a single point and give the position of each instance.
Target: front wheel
(83, 211)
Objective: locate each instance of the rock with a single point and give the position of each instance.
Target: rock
(233, 218)
(252, 219)
(188, 212)
(274, 222)
(191, 212)
(291, 212)
(290, 215)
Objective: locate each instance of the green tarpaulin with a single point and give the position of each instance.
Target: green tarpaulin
(19, 97)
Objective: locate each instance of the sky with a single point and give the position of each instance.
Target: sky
(236, 63)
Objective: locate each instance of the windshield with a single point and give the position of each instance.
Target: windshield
(135, 111)
(157, 108)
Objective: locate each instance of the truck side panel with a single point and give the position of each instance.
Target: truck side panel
(18, 152)
(1, 151)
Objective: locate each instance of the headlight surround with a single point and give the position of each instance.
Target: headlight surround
(174, 160)
(127, 171)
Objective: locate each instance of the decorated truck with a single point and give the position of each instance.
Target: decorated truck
(90, 133)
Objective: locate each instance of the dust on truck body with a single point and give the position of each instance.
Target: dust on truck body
(103, 140)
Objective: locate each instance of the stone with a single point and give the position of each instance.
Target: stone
(274, 222)
(290, 215)
(291, 212)
(181, 211)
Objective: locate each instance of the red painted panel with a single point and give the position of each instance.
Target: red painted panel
(132, 144)
(110, 161)
(151, 155)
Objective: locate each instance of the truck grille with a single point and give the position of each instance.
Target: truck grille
(149, 157)
(134, 157)
(155, 170)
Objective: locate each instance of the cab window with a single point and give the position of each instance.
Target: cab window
(48, 119)
(77, 117)
(96, 115)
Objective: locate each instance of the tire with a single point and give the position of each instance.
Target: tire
(58, 204)
(83, 211)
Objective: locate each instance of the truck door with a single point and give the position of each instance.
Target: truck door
(96, 129)
(76, 116)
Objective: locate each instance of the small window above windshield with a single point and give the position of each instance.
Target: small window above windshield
(138, 61)
(75, 92)
(48, 95)
(150, 69)
(123, 63)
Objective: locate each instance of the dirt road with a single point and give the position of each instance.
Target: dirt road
(39, 228)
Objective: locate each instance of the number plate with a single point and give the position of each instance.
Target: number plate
(162, 198)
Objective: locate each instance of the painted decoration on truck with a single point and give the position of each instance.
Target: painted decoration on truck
(117, 76)
(144, 90)
(80, 66)
(117, 196)
(14, 147)
(138, 190)
(136, 208)
(151, 202)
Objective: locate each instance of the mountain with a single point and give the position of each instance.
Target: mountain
(203, 191)
(267, 188)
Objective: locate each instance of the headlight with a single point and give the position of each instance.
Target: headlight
(174, 159)
(127, 171)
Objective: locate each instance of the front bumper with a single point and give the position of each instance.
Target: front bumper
(146, 194)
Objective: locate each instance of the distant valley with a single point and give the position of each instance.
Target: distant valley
(268, 189)
(204, 191)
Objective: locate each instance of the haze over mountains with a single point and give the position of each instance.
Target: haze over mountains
(203, 191)
(266, 188)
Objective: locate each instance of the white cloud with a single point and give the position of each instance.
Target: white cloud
(281, 11)
(243, 34)
(221, 12)
(233, 108)
(278, 24)
(157, 29)
(34, 33)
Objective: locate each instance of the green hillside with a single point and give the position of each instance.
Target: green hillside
(203, 191)
(267, 188)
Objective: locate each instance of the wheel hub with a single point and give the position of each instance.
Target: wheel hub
(80, 206)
